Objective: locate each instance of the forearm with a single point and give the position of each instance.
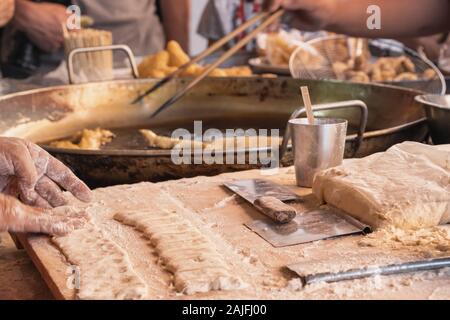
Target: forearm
(22, 15)
(6, 11)
(176, 18)
(399, 18)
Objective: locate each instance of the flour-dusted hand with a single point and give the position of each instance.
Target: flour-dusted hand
(18, 217)
(28, 171)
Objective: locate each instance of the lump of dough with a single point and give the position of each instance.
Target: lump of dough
(192, 71)
(156, 141)
(407, 186)
(64, 144)
(406, 76)
(241, 71)
(168, 143)
(94, 139)
(158, 61)
(86, 139)
(218, 73)
(195, 281)
(429, 74)
(358, 76)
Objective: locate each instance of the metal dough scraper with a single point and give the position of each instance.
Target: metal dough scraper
(322, 223)
(369, 271)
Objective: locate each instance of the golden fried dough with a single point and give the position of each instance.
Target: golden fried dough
(177, 56)
(86, 139)
(157, 61)
(166, 62)
(238, 72)
(406, 76)
(429, 74)
(385, 69)
(192, 71)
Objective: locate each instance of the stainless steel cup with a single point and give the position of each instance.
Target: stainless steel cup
(317, 147)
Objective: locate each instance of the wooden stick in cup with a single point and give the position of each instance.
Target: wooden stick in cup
(308, 105)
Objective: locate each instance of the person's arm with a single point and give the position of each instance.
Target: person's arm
(31, 173)
(42, 22)
(6, 11)
(399, 18)
(176, 20)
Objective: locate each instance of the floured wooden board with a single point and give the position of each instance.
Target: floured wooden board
(220, 216)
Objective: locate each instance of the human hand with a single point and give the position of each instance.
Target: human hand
(307, 15)
(28, 171)
(18, 217)
(6, 11)
(42, 22)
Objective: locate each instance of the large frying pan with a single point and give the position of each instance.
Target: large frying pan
(57, 112)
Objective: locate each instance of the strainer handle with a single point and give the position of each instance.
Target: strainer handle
(329, 106)
(119, 47)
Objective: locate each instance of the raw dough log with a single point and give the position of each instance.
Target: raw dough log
(105, 269)
(407, 186)
(185, 251)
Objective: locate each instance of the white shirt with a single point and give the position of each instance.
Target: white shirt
(132, 22)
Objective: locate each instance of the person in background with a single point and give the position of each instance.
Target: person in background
(220, 17)
(137, 24)
(400, 18)
(416, 23)
(132, 22)
(6, 14)
(6, 11)
(31, 174)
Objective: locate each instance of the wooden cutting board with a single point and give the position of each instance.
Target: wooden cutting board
(221, 215)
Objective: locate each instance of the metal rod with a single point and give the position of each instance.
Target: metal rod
(124, 48)
(219, 61)
(352, 274)
(213, 48)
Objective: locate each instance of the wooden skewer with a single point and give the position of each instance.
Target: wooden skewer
(213, 48)
(64, 29)
(96, 65)
(308, 105)
(219, 61)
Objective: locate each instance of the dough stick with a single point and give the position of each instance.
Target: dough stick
(308, 105)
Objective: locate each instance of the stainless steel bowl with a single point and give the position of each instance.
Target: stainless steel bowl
(437, 109)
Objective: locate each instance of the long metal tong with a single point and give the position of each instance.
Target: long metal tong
(269, 19)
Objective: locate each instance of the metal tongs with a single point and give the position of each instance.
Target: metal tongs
(269, 19)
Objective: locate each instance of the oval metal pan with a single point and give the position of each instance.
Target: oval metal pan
(57, 112)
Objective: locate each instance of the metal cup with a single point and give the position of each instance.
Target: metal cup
(317, 147)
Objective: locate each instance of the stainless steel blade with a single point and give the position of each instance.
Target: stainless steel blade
(251, 190)
(323, 223)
